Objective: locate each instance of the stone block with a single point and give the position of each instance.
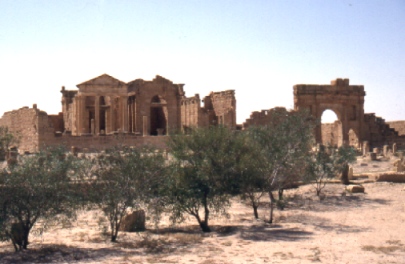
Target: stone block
(350, 174)
(134, 222)
(355, 188)
(392, 177)
(372, 156)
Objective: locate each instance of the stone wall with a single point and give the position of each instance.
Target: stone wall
(23, 123)
(263, 117)
(330, 134)
(35, 130)
(224, 106)
(190, 112)
(96, 143)
(399, 126)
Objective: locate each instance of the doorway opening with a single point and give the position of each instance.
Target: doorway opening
(331, 129)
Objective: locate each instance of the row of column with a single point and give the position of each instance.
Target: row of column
(116, 116)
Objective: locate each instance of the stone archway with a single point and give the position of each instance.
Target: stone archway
(158, 116)
(347, 101)
(331, 130)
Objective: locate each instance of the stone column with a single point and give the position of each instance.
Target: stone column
(145, 126)
(97, 115)
(92, 128)
(351, 173)
(124, 113)
(81, 115)
(133, 115)
(394, 148)
(76, 116)
(376, 151)
(373, 155)
(385, 150)
(366, 148)
(112, 117)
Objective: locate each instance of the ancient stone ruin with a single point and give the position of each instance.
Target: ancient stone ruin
(105, 111)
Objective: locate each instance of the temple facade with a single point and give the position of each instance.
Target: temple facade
(105, 105)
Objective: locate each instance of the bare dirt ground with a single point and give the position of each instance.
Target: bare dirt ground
(341, 228)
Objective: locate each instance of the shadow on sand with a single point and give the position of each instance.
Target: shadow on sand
(58, 254)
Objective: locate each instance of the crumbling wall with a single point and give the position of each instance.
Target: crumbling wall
(190, 110)
(379, 133)
(223, 104)
(399, 126)
(23, 123)
(56, 122)
(263, 117)
(92, 143)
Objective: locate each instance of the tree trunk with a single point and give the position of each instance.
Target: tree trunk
(255, 211)
(25, 240)
(204, 227)
(204, 224)
(280, 193)
(272, 201)
(114, 232)
(345, 175)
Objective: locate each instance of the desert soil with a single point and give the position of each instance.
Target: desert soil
(340, 228)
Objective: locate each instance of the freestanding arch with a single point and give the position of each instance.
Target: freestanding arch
(347, 101)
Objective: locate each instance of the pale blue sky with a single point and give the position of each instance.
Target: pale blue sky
(258, 48)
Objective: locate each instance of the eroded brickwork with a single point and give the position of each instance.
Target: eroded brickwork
(262, 118)
(353, 127)
(223, 104)
(399, 126)
(24, 124)
(104, 112)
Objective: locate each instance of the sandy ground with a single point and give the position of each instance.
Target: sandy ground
(351, 228)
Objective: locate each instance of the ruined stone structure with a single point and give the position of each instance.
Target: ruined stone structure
(399, 126)
(347, 101)
(105, 110)
(105, 105)
(353, 126)
(263, 117)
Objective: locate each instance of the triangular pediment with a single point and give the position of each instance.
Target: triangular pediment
(102, 80)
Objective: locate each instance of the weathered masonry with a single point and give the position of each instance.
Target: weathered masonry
(353, 127)
(102, 108)
(104, 112)
(347, 101)
(105, 105)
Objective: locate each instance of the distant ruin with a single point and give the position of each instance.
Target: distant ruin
(353, 127)
(105, 111)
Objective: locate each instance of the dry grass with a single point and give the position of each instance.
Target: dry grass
(393, 246)
(303, 233)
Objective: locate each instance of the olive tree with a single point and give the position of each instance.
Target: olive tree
(6, 140)
(38, 188)
(343, 157)
(122, 179)
(283, 143)
(326, 163)
(205, 166)
(250, 181)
